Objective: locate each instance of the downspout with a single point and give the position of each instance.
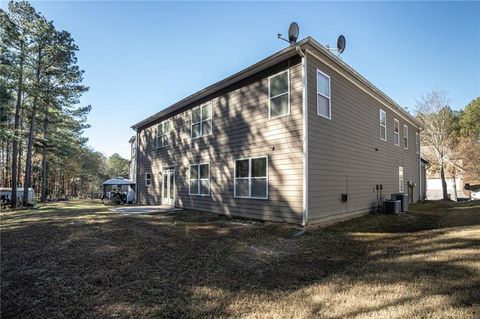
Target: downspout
(305, 136)
(420, 189)
(137, 149)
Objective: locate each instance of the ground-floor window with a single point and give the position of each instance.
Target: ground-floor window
(148, 179)
(199, 183)
(251, 177)
(400, 179)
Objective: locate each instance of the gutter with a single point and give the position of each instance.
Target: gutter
(267, 62)
(305, 136)
(278, 57)
(137, 150)
(363, 80)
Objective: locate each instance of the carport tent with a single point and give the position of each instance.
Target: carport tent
(119, 181)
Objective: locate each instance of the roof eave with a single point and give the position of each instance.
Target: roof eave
(275, 58)
(281, 55)
(362, 79)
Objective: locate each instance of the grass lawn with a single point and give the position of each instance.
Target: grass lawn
(79, 260)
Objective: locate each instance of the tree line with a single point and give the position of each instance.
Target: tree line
(41, 119)
(450, 139)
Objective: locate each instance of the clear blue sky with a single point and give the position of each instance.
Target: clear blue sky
(140, 57)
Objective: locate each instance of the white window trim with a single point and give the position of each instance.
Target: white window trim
(199, 179)
(167, 134)
(249, 178)
(328, 97)
(147, 184)
(382, 125)
(270, 98)
(201, 120)
(405, 136)
(401, 181)
(396, 134)
(417, 143)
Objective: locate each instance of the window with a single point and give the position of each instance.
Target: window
(199, 179)
(251, 178)
(163, 133)
(324, 107)
(383, 125)
(405, 137)
(148, 179)
(417, 142)
(400, 179)
(396, 132)
(279, 94)
(202, 120)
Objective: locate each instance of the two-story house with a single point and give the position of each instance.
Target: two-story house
(299, 137)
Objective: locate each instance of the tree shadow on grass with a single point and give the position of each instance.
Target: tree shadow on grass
(194, 265)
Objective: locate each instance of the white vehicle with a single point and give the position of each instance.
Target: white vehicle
(7, 193)
(475, 195)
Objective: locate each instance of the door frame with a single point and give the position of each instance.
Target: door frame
(166, 199)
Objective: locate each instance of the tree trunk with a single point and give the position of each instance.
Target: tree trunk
(18, 106)
(31, 135)
(62, 190)
(444, 182)
(7, 165)
(454, 175)
(19, 170)
(43, 197)
(28, 160)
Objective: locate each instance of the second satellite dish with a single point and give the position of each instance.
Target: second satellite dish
(341, 44)
(293, 31)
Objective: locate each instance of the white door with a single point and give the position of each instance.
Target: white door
(168, 188)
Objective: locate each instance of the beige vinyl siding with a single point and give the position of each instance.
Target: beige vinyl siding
(241, 128)
(347, 150)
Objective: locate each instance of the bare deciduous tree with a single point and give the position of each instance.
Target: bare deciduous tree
(436, 117)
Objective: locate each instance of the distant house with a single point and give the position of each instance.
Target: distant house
(299, 137)
(454, 176)
(132, 173)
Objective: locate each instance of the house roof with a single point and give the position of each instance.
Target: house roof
(273, 59)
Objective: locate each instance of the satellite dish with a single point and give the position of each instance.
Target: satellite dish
(341, 44)
(293, 31)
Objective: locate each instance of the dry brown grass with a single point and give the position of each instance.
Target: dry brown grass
(78, 260)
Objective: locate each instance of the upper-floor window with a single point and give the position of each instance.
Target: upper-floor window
(148, 179)
(251, 177)
(199, 179)
(279, 94)
(405, 136)
(417, 142)
(163, 132)
(383, 125)
(202, 120)
(396, 132)
(324, 105)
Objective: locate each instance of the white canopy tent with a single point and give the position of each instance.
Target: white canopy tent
(122, 184)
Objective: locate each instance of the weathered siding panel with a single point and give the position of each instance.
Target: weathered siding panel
(346, 154)
(241, 128)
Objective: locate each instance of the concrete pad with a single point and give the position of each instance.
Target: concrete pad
(137, 210)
